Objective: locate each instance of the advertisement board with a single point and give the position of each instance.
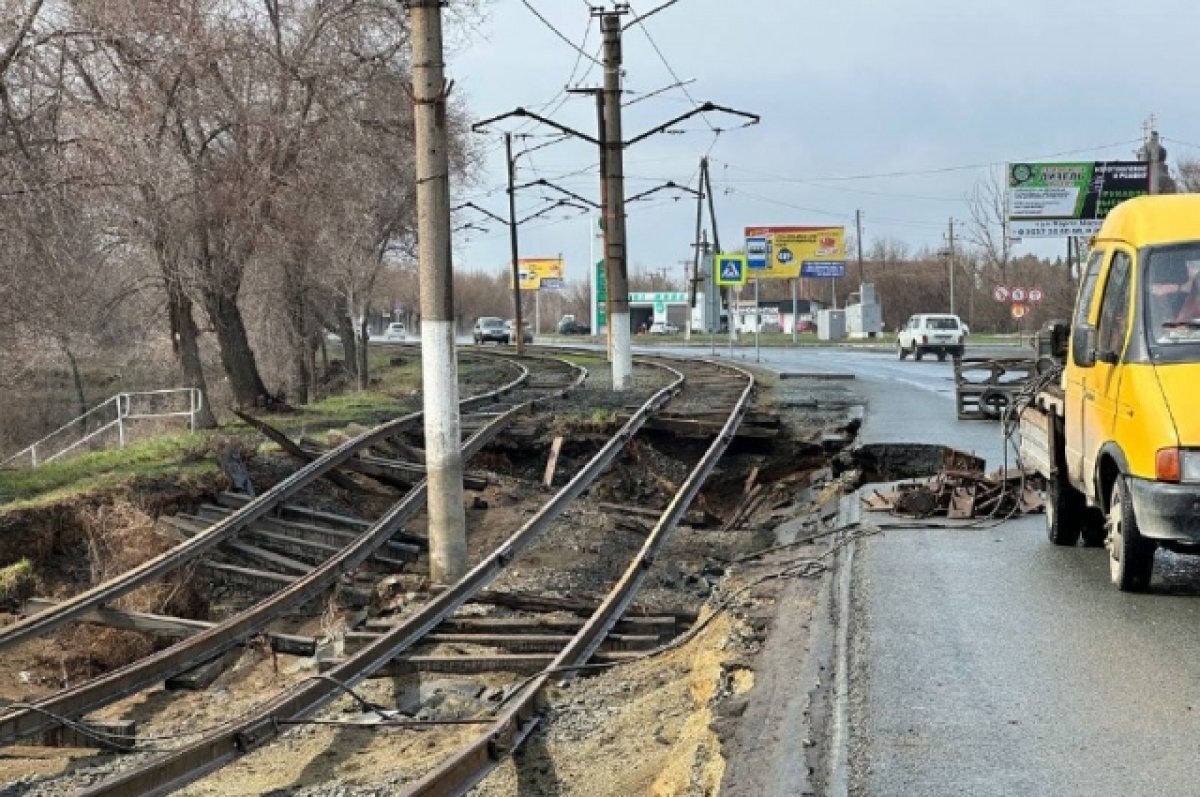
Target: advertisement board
(791, 249)
(1057, 200)
(541, 272)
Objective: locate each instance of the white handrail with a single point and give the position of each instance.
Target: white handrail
(124, 413)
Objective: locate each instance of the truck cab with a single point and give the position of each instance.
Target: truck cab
(1121, 445)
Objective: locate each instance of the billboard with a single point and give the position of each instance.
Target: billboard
(538, 273)
(789, 250)
(1057, 200)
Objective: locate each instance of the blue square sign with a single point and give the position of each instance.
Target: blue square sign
(758, 252)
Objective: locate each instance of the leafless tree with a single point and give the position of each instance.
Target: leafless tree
(1187, 175)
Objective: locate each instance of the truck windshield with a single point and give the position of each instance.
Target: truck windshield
(1173, 296)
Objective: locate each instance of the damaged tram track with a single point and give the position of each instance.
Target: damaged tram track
(297, 703)
(73, 703)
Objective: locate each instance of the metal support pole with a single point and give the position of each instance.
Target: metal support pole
(513, 243)
(951, 261)
(795, 312)
(439, 367)
(858, 228)
(757, 324)
(614, 169)
(121, 413)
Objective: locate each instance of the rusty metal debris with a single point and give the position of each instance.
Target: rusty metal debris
(960, 494)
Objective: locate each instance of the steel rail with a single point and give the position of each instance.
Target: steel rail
(193, 651)
(74, 608)
(235, 739)
(475, 760)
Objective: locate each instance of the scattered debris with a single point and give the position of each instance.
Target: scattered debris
(960, 495)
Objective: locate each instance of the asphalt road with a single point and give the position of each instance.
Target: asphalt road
(988, 662)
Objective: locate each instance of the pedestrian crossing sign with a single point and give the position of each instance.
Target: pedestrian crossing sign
(731, 270)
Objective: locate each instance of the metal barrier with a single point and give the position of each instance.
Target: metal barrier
(121, 408)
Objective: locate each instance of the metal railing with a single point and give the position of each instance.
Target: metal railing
(115, 413)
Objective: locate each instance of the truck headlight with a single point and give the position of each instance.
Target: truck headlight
(1189, 466)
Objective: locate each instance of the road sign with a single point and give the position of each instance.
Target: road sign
(789, 247)
(823, 269)
(758, 251)
(1056, 200)
(601, 295)
(1019, 295)
(1036, 295)
(1019, 311)
(1001, 293)
(731, 270)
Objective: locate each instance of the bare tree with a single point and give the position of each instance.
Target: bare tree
(1187, 176)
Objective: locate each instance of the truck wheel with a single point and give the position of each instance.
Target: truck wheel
(1064, 510)
(901, 352)
(1130, 556)
(918, 353)
(941, 355)
(1095, 530)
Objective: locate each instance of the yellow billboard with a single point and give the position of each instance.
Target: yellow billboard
(791, 252)
(541, 273)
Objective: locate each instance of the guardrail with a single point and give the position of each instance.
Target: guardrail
(122, 409)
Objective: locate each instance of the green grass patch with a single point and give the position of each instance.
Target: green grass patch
(16, 582)
(156, 456)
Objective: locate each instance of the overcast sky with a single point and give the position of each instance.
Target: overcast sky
(845, 89)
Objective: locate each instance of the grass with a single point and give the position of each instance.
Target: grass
(183, 454)
(16, 582)
(75, 476)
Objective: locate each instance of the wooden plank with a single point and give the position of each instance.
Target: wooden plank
(285, 442)
(661, 627)
(319, 535)
(519, 663)
(513, 643)
(301, 546)
(693, 517)
(117, 735)
(586, 607)
(264, 558)
(555, 448)
(203, 676)
(291, 512)
(172, 627)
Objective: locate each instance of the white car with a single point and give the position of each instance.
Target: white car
(395, 331)
(663, 328)
(941, 334)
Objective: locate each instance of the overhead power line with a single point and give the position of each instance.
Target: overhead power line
(638, 19)
(583, 53)
(934, 170)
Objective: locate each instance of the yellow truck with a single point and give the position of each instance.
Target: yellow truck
(1117, 438)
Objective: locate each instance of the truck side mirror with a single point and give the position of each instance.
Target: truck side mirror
(1083, 346)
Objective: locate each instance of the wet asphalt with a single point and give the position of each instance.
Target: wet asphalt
(988, 662)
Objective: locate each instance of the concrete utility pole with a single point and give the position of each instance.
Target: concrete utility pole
(439, 367)
(858, 226)
(512, 242)
(616, 265)
(951, 263)
(1155, 157)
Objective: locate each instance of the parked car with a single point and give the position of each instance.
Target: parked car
(803, 327)
(569, 326)
(490, 328)
(940, 334)
(508, 326)
(395, 331)
(663, 328)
